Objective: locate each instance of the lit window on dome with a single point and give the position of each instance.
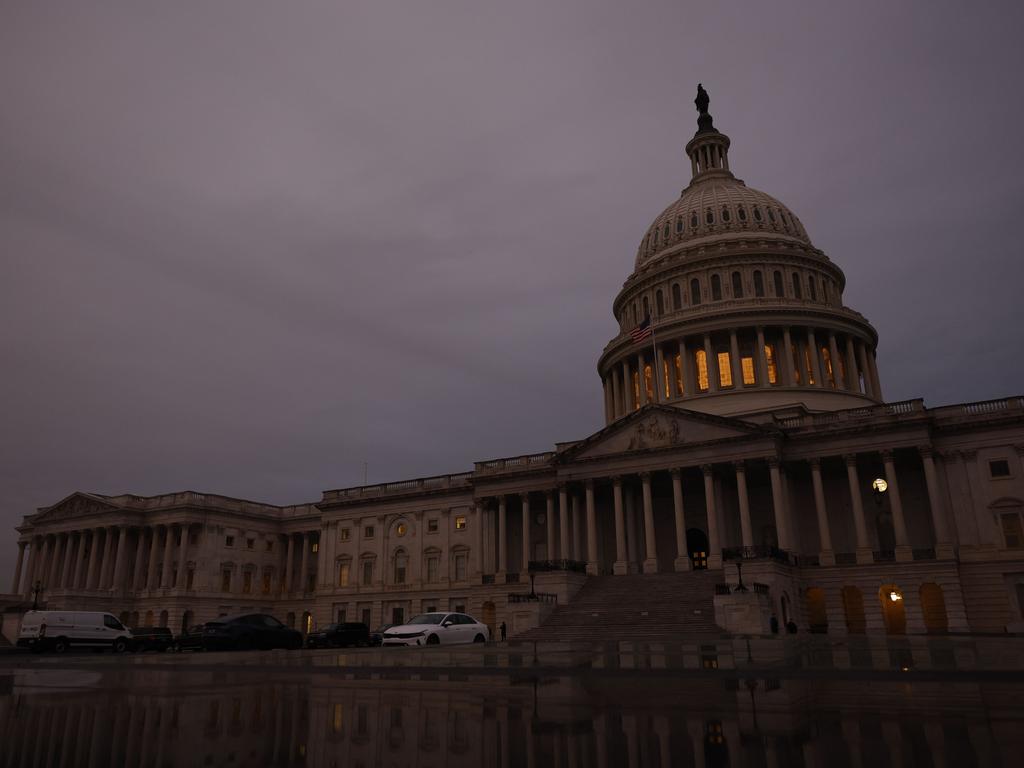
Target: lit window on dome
(693, 220)
(724, 370)
(742, 213)
(725, 215)
(709, 216)
(649, 382)
(808, 366)
(757, 213)
(747, 366)
(700, 359)
(654, 238)
(666, 378)
(827, 373)
(769, 356)
(679, 375)
(679, 224)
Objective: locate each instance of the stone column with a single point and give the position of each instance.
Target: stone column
(563, 521)
(640, 366)
(616, 394)
(165, 572)
(578, 537)
(33, 557)
(746, 529)
(650, 544)
(815, 355)
(304, 560)
(833, 352)
(632, 534)
(592, 558)
(182, 581)
(628, 399)
(734, 360)
(120, 560)
(525, 499)
(92, 578)
(140, 557)
(78, 573)
(712, 364)
(686, 369)
(943, 541)
(787, 368)
(66, 571)
(321, 555)
(609, 416)
(762, 361)
(289, 577)
(826, 555)
(620, 566)
(714, 544)
(873, 366)
(782, 527)
(502, 537)
(852, 379)
(864, 554)
(904, 554)
(154, 544)
(53, 572)
(108, 557)
(549, 520)
(16, 585)
(869, 386)
(682, 561)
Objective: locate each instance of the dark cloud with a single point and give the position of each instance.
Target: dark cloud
(245, 247)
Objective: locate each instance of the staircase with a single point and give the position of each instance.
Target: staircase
(661, 606)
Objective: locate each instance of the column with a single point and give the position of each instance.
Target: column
(632, 535)
(712, 364)
(182, 580)
(650, 544)
(852, 379)
(154, 543)
(66, 571)
(815, 356)
(78, 573)
(640, 365)
(563, 521)
(628, 399)
(502, 537)
(53, 572)
(714, 545)
(117, 582)
(686, 369)
(92, 578)
(525, 499)
(321, 556)
(592, 561)
(734, 360)
(620, 566)
(787, 368)
(304, 560)
(864, 554)
(746, 529)
(762, 361)
(616, 394)
(165, 573)
(658, 376)
(899, 525)
(108, 557)
(289, 578)
(782, 526)
(140, 557)
(577, 527)
(869, 386)
(33, 556)
(682, 561)
(16, 585)
(609, 416)
(833, 351)
(549, 498)
(826, 555)
(943, 541)
(876, 382)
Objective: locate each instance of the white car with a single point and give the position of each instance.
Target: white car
(60, 630)
(437, 629)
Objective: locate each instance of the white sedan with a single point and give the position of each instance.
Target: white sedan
(437, 629)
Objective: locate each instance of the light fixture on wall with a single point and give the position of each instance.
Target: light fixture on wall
(895, 596)
(879, 485)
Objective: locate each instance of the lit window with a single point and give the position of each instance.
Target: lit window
(229, 541)
(724, 370)
(432, 525)
(368, 532)
(827, 373)
(809, 367)
(401, 529)
(343, 573)
(346, 534)
(460, 522)
(666, 378)
(337, 719)
(648, 382)
(701, 360)
(769, 354)
(747, 364)
(1012, 532)
(315, 548)
(679, 375)
(999, 468)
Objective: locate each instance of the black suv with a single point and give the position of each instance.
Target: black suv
(152, 639)
(241, 633)
(339, 636)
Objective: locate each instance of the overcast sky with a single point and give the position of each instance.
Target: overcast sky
(246, 247)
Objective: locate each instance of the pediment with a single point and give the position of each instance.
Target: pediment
(656, 427)
(78, 504)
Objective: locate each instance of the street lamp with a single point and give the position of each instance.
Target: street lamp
(35, 594)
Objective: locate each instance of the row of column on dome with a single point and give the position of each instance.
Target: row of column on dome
(739, 359)
(685, 517)
(137, 559)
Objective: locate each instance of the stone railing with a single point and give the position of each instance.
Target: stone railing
(981, 408)
(514, 463)
(542, 566)
(533, 597)
(762, 552)
(419, 485)
(900, 408)
(193, 499)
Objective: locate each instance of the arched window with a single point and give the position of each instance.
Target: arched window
(742, 212)
(665, 233)
(758, 283)
(771, 215)
(813, 289)
(825, 290)
(679, 225)
(647, 308)
(709, 216)
(366, 570)
(737, 285)
(716, 288)
(401, 563)
(853, 607)
(695, 291)
(726, 215)
(693, 220)
(677, 297)
(757, 213)
(432, 565)
(779, 291)
(460, 562)
(893, 612)
(933, 607)
(817, 617)
(796, 286)
(659, 302)
(344, 572)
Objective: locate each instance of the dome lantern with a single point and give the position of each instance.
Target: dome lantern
(708, 150)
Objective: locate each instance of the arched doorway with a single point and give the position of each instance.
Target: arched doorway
(307, 623)
(134, 618)
(893, 610)
(817, 616)
(124, 617)
(163, 618)
(186, 620)
(489, 615)
(149, 619)
(933, 608)
(853, 608)
(697, 546)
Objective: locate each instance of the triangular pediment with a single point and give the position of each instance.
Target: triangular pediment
(656, 427)
(78, 504)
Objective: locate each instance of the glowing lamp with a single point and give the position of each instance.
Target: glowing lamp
(880, 485)
(895, 596)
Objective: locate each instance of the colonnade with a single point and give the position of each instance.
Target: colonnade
(785, 356)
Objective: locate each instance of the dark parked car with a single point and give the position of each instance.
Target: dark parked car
(239, 633)
(191, 639)
(339, 636)
(377, 636)
(152, 639)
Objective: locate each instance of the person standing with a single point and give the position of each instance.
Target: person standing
(504, 631)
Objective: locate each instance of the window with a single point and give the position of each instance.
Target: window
(343, 569)
(229, 541)
(693, 220)
(747, 365)
(659, 302)
(999, 468)
(250, 543)
(769, 354)
(367, 572)
(270, 545)
(677, 297)
(809, 366)
(432, 568)
(694, 291)
(112, 623)
(460, 522)
(460, 567)
(647, 307)
(827, 373)
(737, 285)
(813, 288)
(368, 532)
(777, 279)
(225, 580)
(401, 529)
(342, 614)
(679, 224)
(771, 215)
(679, 374)
(701, 362)
(337, 717)
(432, 525)
(725, 215)
(247, 583)
(266, 582)
(648, 383)
(1012, 532)
(665, 233)
(346, 534)
(709, 216)
(655, 236)
(758, 283)
(757, 213)
(401, 560)
(716, 288)
(315, 547)
(742, 213)
(797, 293)
(724, 370)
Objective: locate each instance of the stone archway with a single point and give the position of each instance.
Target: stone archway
(853, 608)
(933, 608)
(186, 620)
(489, 616)
(697, 547)
(894, 611)
(149, 619)
(164, 616)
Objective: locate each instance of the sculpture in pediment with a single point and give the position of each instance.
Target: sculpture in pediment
(655, 433)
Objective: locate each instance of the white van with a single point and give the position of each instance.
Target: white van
(60, 630)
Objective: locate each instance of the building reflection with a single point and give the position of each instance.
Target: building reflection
(504, 719)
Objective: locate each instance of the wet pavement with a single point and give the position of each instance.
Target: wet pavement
(763, 702)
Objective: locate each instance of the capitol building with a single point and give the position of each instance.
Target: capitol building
(745, 424)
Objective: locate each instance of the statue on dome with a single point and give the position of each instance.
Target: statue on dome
(703, 100)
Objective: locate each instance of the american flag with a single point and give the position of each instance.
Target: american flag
(642, 331)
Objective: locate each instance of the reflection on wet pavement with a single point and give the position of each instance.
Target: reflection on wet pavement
(923, 702)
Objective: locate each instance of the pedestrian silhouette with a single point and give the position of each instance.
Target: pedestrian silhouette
(504, 630)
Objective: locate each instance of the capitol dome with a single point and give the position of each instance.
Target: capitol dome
(731, 309)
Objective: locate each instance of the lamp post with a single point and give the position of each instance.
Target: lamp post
(35, 594)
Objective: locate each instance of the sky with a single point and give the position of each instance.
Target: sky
(262, 249)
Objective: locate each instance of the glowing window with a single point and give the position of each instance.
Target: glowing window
(337, 719)
(701, 361)
(315, 548)
(808, 366)
(649, 382)
(758, 283)
(460, 522)
(747, 365)
(827, 373)
(401, 529)
(666, 377)
(724, 370)
(716, 288)
(679, 375)
(343, 573)
(769, 355)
